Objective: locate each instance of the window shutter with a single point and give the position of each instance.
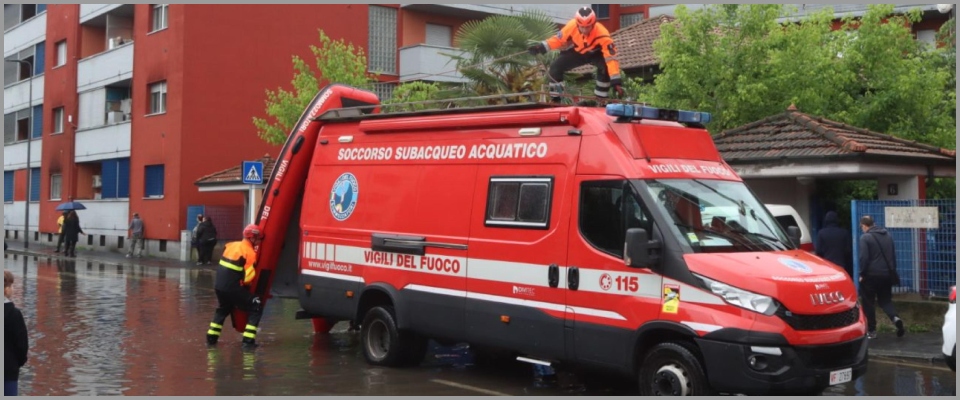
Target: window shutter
(153, 182)
(37, 121)
(34, 184)
(7, 186)
(40, 60)
(108, 176)
(123, 178)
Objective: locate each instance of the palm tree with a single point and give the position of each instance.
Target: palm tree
(495, 57)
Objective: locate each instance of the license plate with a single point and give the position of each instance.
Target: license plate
(841, 376)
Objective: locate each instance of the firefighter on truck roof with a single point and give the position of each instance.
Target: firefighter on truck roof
(235, 273)
(583, 40)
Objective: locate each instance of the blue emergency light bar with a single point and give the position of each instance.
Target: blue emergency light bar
(633, 111)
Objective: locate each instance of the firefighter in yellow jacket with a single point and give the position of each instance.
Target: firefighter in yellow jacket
(235, 273)
(583, 40)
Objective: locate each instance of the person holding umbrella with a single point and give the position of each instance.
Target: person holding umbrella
(71, 233)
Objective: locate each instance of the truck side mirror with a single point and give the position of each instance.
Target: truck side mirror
(794, 234)
(639, 250)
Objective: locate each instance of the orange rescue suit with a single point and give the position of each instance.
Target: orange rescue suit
(237, 262)
(570, 37)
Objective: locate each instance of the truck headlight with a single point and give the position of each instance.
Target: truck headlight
(759, 303)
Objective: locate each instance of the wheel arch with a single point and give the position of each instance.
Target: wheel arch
(656, 332)
(381, 294)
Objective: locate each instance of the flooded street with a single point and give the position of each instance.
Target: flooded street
(106, 329)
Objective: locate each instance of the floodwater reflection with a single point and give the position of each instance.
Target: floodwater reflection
(106, 329)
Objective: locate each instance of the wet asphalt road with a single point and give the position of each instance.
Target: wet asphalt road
(106, 329)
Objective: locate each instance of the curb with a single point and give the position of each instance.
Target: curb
(92, 258)
(905, 355)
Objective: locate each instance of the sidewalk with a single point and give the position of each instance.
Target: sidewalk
(923, 347)
(105, 257)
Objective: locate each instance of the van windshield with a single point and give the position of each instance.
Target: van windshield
(717, 216)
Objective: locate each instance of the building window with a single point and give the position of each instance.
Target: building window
(34, 184)
(159, 17)
(630, 19)
(153, 181)
(18, 126)
(14, 72)
(158, 98)
(115, 179)
(56, 185)
(15, 14)
(61, 56)
(519, 202)
(8, 186)
(602, 10)
(58, 120)
(384, 91)
(383, 40)
(439, 35)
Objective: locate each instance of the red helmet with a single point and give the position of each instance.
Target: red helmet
(252, 231)
(586, 17)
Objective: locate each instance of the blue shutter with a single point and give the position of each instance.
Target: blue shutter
(123, 178)
(108, 176)
(37, 121)
(153, 180)
(34, 184)
(38, 59)
(7, 186)
(41, 8)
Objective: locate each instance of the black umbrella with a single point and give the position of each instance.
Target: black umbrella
(71, 205)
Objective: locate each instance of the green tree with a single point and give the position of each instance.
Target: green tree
(336, 62)
(494, 56)
(741, 64)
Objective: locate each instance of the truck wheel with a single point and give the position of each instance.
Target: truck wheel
(671, 369)
(381, 339)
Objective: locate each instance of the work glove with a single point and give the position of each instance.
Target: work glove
(617, 85)
(537, 49)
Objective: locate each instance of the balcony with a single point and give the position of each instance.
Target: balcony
(103, 217)
(560, 13)
(15, 96)
(91, 11)
(425, 62)
(105, 68)
(103, 143)
(25, 35)
(15, 155)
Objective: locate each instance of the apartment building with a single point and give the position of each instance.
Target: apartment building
(124, 106)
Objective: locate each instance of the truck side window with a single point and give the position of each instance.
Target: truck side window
(606, 214)
(522, 202)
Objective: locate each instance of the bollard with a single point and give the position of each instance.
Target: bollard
(186, 237)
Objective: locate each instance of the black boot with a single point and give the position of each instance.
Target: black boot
(212, 339)
(248, 344)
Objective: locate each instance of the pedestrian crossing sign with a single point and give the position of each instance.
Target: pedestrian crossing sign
(252, 172)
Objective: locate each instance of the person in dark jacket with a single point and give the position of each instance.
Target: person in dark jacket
(71, 232)
(207, 240)
(15, 341)
(834, 243)
(878, 274)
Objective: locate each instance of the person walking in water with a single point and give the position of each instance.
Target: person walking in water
(878, 275)
(136, 235)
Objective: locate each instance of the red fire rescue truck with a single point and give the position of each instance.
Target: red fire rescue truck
(614, 238)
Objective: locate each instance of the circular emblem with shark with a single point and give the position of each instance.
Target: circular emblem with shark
(343, 196)
(796, 265)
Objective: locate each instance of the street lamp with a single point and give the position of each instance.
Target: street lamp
(26, 214)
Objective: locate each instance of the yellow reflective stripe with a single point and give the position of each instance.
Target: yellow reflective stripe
(248, 275)
(254, 327)
(216, 325)
(230, 266)
(250, 335)
(213, 332)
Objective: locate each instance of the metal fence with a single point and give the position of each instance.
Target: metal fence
(926, 244)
